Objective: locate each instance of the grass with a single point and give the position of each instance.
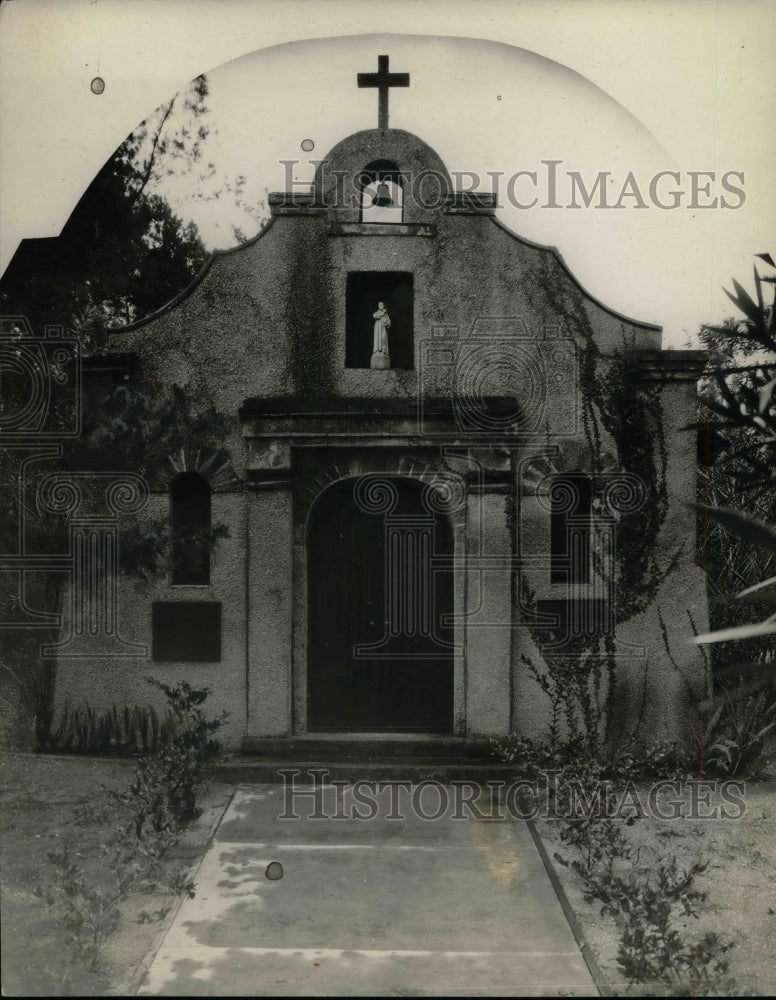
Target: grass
(39, 796)
(741, 856)
(40, 793)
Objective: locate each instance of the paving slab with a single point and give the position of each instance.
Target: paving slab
(391, 905)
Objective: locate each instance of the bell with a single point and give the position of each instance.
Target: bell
(382, 198)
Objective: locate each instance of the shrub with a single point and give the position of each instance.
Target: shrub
(737, 733)
(533, 758)
(164, 789)
(144, 823)
(136, 729)
(646, 906)
(88, 915)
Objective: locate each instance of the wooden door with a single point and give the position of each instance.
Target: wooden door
(404, 682)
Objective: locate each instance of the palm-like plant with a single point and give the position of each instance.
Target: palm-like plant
(743, 399)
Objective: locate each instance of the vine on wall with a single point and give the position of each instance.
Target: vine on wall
(616, 410)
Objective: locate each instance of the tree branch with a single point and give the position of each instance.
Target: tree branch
(152, 154)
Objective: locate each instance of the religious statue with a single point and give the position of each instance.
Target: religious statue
(380, 356)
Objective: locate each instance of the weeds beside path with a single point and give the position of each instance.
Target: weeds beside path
(738, 881)
(39, 794)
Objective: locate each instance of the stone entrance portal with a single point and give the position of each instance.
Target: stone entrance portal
(380, 579)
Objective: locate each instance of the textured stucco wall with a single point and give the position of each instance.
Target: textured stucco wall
(270, 606)
(681, 600)
(268, 320)
(656, 687)
(489, 619)
(105, 681)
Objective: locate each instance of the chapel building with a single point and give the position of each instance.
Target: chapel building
(449, 469)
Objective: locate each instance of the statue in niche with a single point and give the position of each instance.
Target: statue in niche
(381, 359)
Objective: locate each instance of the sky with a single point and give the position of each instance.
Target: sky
(633, 90)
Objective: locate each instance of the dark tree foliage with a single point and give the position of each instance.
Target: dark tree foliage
(126, 429)
(115, 261)
(738, 516)
(123, 252)
(740, 389)
(123, 431)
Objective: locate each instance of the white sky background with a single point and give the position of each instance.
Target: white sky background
(494, 87)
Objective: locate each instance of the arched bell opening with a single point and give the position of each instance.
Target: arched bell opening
(381, 192)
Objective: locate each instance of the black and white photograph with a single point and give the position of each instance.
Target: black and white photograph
(387, 498)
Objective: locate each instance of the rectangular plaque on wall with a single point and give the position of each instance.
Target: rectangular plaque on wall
(187, 630)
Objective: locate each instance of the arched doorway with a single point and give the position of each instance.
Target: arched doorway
(380, 585)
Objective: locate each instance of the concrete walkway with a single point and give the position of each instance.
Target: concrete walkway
(386, 906)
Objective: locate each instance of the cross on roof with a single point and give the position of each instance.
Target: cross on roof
(382, 79)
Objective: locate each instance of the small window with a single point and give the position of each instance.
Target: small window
(190, 529)
(366, 291)
(381, 192)
(571, 498)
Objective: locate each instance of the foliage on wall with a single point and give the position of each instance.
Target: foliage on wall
(622, 426)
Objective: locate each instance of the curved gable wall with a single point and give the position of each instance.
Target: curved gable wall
(268, 319)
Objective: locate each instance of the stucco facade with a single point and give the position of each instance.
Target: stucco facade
(507, 390)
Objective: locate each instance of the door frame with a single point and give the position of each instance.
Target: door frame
(358, 467)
